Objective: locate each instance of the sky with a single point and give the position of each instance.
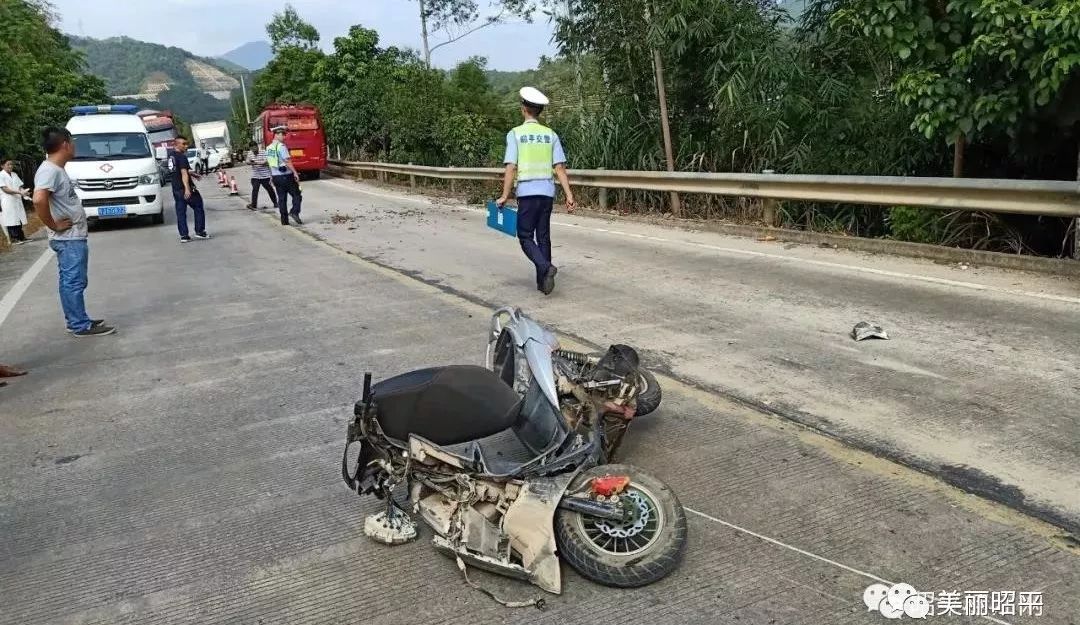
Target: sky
(214, 27)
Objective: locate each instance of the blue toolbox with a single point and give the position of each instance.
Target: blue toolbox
(502, 219)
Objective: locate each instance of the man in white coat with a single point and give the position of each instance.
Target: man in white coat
(12, 212)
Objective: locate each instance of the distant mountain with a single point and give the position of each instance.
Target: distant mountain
(253, 55)
(131, 67)
(196, 88)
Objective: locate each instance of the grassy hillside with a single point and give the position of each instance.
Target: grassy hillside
(130, 66)
(176, 79)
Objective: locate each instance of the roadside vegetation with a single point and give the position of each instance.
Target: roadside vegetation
(870, 87)
(42, 78)
(978, 88)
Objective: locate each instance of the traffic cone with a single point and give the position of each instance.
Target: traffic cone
(222, 180)
(232, 187)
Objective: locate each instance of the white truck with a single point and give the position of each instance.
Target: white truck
(115, 172)
(216, 137)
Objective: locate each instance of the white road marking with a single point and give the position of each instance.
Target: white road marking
(7, 304)
(358, 189)
(730, 250)
(822, 263)
(790, 547)
(808, 553)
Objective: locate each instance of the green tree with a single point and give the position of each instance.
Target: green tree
(288, 78)
(352, 86)
(288, 30)
(469, 90)
(457, 19)
(977, 67)
(42, 77)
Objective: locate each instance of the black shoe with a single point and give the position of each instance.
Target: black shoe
(296, 218)
(548, 285)
(285, 222)
(101, 330)
(202, 235)
(185, 239)
(94, 323)
(250, 207)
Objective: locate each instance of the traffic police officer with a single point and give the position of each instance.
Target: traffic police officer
(532, 152)
(285, 177)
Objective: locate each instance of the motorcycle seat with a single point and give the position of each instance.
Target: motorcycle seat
(445, 405)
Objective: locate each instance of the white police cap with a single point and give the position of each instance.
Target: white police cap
(532, 95)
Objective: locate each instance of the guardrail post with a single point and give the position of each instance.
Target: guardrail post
(453, 185)
(603, 198)
(412, 179)
(339, 152)
(1076, 238)
(769, 207)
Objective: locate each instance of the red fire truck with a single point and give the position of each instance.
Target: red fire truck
(306, 138)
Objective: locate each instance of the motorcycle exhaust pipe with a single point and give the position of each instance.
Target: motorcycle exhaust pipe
(613, 512)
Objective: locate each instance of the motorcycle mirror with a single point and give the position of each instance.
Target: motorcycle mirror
(367, 387)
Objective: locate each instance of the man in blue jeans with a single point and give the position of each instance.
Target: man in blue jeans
(532, 152)
(59, 208)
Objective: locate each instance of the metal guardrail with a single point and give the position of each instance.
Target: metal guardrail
(1028, 197)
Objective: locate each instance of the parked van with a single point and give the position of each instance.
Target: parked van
(115, 170)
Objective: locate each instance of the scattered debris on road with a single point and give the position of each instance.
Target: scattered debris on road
(338, 218)
(865, 330)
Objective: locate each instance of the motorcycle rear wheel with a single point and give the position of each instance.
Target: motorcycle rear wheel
(648, 399)
(625, 555)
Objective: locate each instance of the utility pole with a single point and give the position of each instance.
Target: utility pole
(247, 109)
(665, 128)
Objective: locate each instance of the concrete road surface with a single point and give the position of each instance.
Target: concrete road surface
(978, 384)
(186, 470)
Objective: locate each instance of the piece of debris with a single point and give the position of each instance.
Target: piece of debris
(826, 245)
(767, 237)
(865, 330)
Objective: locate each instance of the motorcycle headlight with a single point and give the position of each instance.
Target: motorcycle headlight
(148, 179)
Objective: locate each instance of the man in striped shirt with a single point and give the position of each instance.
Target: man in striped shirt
(260, 175)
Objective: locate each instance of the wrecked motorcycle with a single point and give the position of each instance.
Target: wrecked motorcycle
(519, 349)
(437, 432)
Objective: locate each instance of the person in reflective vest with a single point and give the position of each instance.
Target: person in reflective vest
(285, 177)
(534, 157)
